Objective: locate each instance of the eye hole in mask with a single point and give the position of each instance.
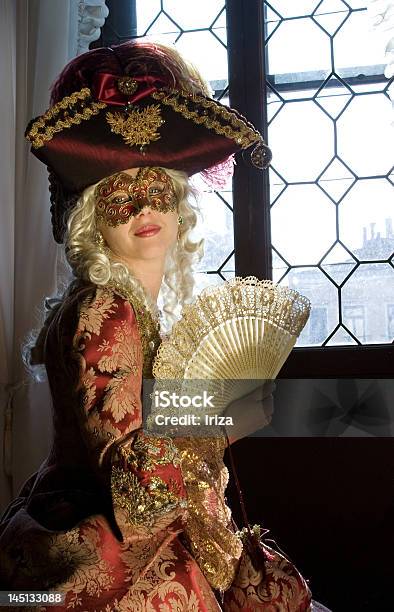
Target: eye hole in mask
(121, 196)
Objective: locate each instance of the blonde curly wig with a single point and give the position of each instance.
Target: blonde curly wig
(90, 261)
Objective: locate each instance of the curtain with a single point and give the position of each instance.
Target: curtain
(37, 38)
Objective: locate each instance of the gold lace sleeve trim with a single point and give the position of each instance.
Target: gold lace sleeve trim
(71, 110)
(208, 533)
(144, 504)
(148, 327)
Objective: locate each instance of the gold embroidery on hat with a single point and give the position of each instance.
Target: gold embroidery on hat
(138, 127)
(210, 114)
(66, 115)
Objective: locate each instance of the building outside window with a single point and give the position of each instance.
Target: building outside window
(390, 321)
(317, 325)
(354, 319)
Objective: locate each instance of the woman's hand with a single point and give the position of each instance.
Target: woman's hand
(251, 412)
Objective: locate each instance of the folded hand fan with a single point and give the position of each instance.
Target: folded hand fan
(242, 330)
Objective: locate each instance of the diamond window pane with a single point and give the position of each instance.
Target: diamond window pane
(336, 180)
(331, 14)
(338, 263)
(333, 99)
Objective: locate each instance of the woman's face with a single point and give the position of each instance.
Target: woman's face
(137, 215)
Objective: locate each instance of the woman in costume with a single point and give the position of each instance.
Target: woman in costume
(114, 518)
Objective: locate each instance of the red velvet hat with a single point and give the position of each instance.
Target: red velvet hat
(132, 105)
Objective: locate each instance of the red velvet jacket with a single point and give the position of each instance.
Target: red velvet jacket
(114, 518)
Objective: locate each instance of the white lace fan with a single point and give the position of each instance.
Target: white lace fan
(242, 330)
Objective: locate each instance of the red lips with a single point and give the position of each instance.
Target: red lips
(149, 229)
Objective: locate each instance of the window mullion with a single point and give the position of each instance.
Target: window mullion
(252, 235)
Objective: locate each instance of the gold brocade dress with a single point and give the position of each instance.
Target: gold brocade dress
(116, 519)
(102, 517)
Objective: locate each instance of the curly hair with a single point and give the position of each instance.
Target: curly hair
(92, 262)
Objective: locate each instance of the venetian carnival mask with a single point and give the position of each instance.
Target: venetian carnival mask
(121, 196)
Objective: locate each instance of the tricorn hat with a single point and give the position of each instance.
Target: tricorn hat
(132, 105)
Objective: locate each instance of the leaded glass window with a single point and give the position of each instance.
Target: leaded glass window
(331, 192)
(327, 216)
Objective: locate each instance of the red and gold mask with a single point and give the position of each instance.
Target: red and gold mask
(122, 196)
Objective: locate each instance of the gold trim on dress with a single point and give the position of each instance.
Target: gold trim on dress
(208, 533)
(149, 328)
(142, 503)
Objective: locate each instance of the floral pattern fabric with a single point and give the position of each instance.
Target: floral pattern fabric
(104, 520)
